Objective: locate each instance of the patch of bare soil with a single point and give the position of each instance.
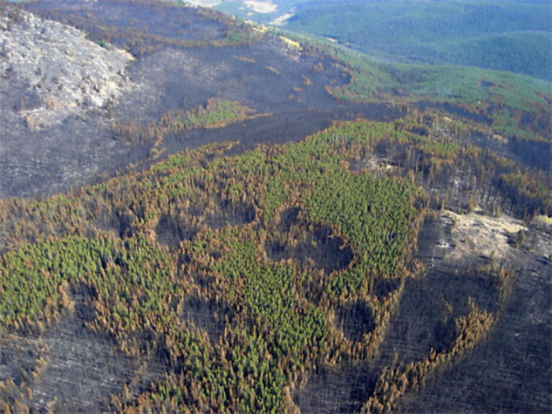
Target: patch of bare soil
(479, 234)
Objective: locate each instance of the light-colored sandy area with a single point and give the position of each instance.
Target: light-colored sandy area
(205, 3)
(261, 6)
(282, 20)
(478, 234)
(65, 72)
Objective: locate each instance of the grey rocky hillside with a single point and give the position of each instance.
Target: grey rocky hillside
(63, 73)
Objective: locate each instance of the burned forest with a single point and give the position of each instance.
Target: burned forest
(200, 213)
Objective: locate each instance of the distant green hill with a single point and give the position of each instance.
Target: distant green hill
(515, 36)
(516, 105)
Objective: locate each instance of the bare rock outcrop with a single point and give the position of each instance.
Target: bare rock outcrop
(63, 72)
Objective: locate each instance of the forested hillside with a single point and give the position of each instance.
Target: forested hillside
(245, 241)
(514, 36)
(268, 223)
